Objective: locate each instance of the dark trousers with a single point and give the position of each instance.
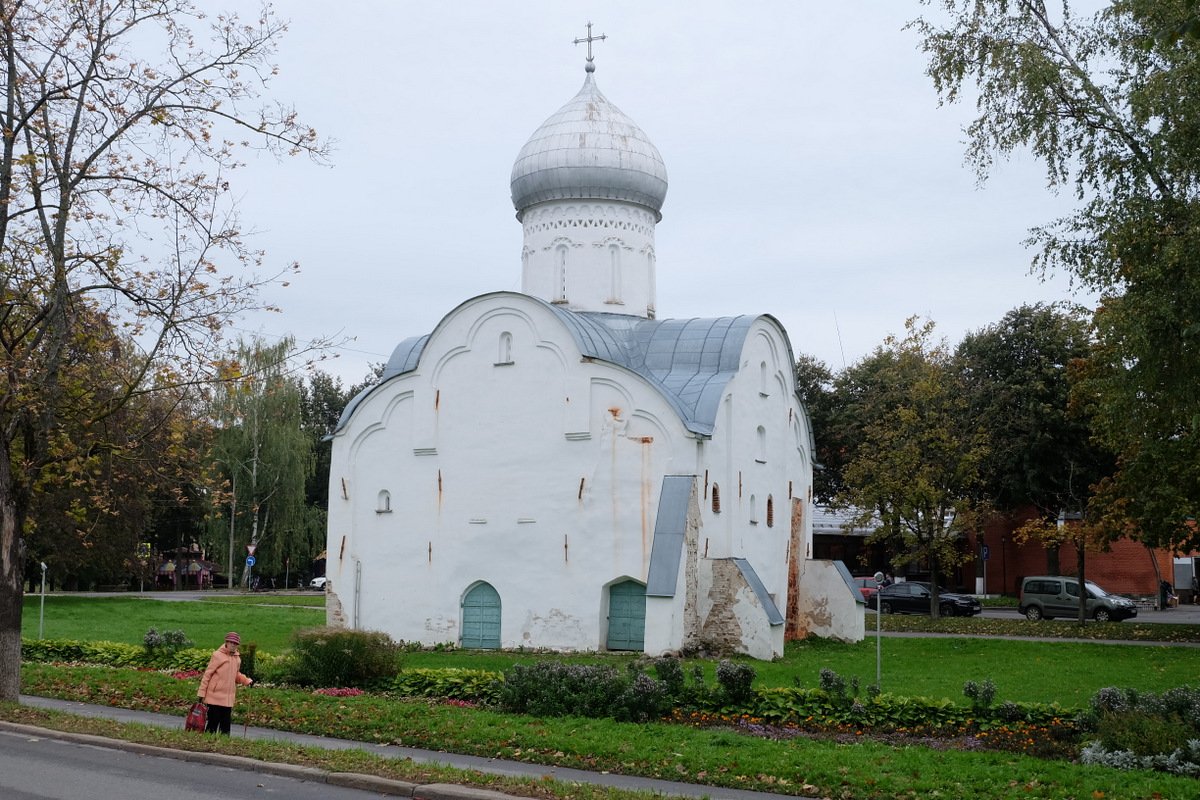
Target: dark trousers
(219, 718)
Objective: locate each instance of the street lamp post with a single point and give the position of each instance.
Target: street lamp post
(42, 614)
(878, 617)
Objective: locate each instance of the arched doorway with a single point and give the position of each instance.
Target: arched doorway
(481, 618)
(626, 616)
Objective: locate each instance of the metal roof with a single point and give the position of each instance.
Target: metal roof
(670, 524)
(688, 361)
(589, 149)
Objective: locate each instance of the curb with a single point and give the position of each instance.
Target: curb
(350, 780)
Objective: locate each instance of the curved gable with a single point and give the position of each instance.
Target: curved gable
(688, 361)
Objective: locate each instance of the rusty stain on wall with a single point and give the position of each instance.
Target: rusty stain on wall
(794, 627)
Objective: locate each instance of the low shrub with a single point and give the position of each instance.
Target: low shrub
(734, 680)
(552, 689)
(1148, 730)
(339, 657)
(166, 643)
(111, 654)
(469, 685)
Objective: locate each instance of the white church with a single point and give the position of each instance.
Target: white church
(560, 469)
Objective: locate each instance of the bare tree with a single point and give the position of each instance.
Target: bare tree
(122, 125)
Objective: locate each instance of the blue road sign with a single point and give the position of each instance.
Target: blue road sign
(249, 561)
(986, 552)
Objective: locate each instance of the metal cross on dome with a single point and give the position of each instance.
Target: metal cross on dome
(591, 67)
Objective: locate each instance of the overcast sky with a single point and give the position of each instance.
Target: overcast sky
(812, 175)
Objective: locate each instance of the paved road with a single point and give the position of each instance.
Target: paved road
(493, 766)
(33, 767)
(1186, 615)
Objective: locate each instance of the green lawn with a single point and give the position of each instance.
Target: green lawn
(1042, 671)
(1066, 672)
(1050, 671)
(126, 619)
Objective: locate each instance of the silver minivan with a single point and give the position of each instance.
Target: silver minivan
(1050, 596)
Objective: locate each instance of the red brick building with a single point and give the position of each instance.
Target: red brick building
(1128, 568)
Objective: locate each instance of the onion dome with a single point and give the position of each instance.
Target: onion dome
(589, 149)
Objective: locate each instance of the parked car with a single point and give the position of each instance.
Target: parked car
(867, 585)
(912, 597)
(317, 583)
(1050, 596)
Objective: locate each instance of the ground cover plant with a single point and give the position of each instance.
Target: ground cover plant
(718, 752)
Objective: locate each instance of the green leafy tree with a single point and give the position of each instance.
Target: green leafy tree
(1043, 455)
(265, 453)
(120, 130)
(1109, 104)
(915, 455)
(814, 383)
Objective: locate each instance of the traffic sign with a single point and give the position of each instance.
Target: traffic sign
(986, 552)
(249, 561)
(250, 548)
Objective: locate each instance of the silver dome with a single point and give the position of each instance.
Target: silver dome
(589, 149)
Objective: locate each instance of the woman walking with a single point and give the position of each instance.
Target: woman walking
(218, 687)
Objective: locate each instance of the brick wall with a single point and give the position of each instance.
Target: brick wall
(1128, 568)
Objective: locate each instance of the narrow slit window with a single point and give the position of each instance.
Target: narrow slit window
(560, 258)
(614, 261)
(770, 511)
(762, 445)
(504, 350)
(716, 499)
(383, 504)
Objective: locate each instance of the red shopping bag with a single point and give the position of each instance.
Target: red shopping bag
(197, 718)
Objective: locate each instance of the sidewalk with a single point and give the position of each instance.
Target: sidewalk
(488, 765)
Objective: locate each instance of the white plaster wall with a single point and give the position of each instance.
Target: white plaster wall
(831, 608)
(587, 229)
(493, 492)
(763, 393)
(483, 452)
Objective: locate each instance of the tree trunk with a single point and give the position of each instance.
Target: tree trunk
(12, 584)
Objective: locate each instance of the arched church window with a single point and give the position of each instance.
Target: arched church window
(383, 504)
(753, 510)
(770, 511)
(762, 445)
(560, 264)
(614, 267)
(762, 378)
(650, 268)
(504, 354)
(716, 499)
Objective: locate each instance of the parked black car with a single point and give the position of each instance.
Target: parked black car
(912, 597)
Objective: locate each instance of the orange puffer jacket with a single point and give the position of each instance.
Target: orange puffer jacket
(219, 685)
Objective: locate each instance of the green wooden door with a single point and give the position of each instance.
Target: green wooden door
(481, 618)
(626, 616)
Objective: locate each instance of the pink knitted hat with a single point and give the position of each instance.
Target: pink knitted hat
(233, 638)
